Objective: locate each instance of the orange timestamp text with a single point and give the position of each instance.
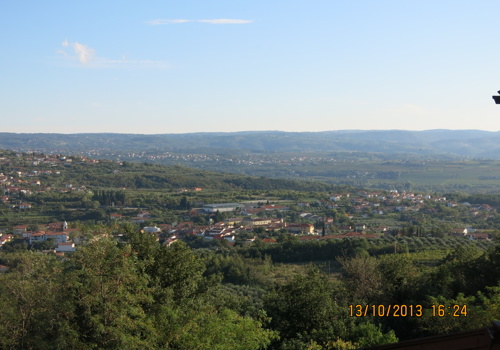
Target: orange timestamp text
(404, 310)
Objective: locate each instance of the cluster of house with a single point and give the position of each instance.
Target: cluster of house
(380, 203)
(365, 203)
(245, 221)
(260, 217)
(226, 229)
(58, 232)
(25, 182)
(253, 217)
(49, 160)
(140, 218)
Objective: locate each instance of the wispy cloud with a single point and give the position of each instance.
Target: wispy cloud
(156, 22)
(85, 56)
(83, 53)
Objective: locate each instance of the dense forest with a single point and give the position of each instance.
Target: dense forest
(134, 293)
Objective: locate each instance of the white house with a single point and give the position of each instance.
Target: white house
(58, 237)
(65, 247)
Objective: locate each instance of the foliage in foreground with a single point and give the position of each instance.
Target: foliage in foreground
(141, 295)
(110, 296)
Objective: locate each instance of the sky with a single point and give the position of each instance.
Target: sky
(154, 67)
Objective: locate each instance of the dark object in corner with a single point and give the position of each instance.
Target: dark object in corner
(478, 339)
(497, 98)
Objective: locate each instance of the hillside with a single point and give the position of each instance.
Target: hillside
(468, 143)
(109, 174)
(436, 160)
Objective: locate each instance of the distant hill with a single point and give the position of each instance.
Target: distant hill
(138, 176)
(461, 143)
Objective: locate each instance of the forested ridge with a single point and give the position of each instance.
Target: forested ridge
(427, 142)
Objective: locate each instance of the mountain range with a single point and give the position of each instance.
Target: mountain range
(454, 143)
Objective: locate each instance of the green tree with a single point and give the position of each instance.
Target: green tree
(310, 309)
(363, 278)
(185, 315)
(401, 278)
(184, 203)
(33, 303)
(109, 295)
(209, 328)
(464, 270)
(449, 315)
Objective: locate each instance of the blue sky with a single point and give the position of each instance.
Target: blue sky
(173, 67)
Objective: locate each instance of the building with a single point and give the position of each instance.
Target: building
(19, 230)
(256, 222)
(41, 236)
(65, 247)
(300, 228)
(221, 207)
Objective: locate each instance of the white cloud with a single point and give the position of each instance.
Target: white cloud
(156, 22)
(85, 55)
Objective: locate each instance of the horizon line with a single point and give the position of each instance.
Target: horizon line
(236, 132)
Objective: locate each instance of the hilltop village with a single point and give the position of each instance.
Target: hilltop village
(36, 189)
